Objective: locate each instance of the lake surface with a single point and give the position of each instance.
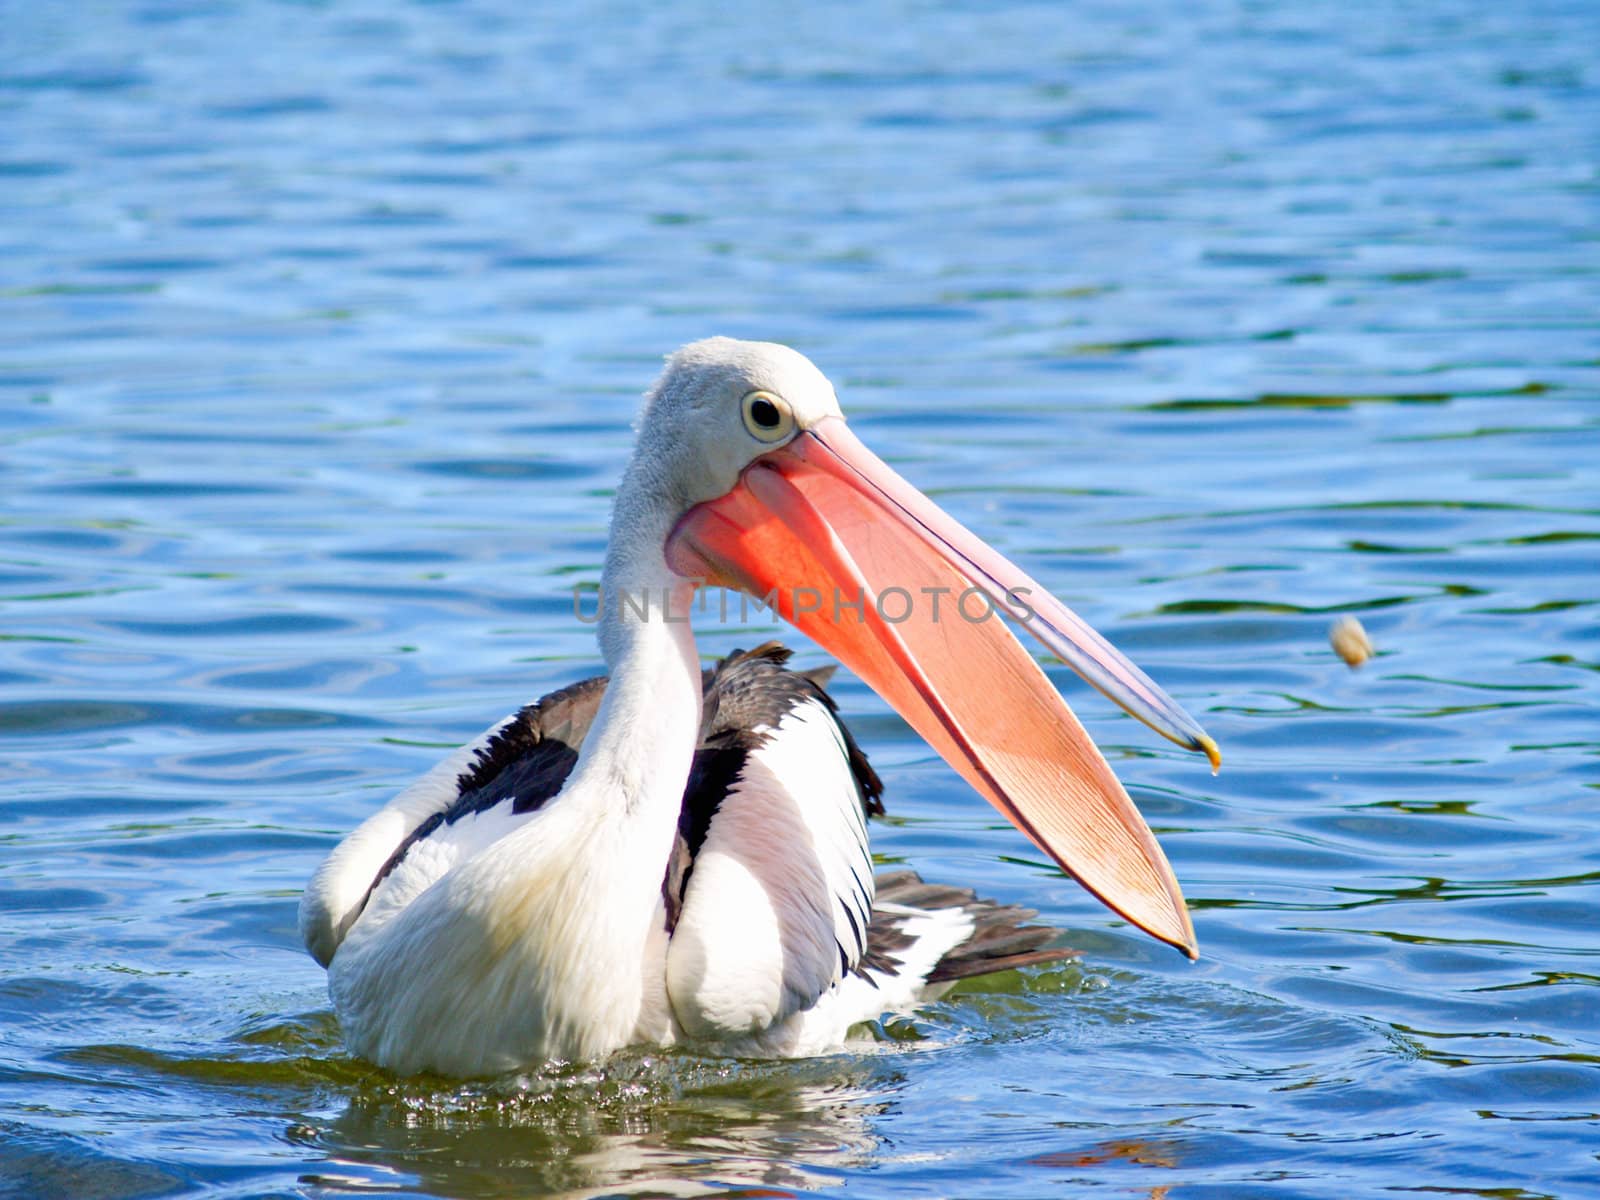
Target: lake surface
(321, 330)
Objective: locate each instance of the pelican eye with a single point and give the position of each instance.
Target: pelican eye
(767, 417)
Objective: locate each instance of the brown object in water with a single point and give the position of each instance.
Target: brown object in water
(1350, 641)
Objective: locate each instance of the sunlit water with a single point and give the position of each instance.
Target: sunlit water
(321, 327)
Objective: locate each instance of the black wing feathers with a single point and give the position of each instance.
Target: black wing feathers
(530, 758)
(1000, 939)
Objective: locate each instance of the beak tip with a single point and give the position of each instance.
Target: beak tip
(1186, 943)
(1209, 745)
(1190, 944)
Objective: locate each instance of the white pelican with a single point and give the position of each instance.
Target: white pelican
(673, 856)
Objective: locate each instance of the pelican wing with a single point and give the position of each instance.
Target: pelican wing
(770, 894)
(477, 795)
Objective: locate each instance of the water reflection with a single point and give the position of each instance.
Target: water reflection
(671, 1125)
(1162, 1153)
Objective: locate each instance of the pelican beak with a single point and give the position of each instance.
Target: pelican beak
(907, 598)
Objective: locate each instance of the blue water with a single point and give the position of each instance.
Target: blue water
(321, 328)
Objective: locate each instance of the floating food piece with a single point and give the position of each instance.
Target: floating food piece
(1350, 641)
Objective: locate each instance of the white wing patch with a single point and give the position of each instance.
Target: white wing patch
(777, 906)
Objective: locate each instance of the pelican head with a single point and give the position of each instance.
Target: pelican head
(719, 405)
(744, 448)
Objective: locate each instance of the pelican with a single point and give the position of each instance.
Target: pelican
(667, 855)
